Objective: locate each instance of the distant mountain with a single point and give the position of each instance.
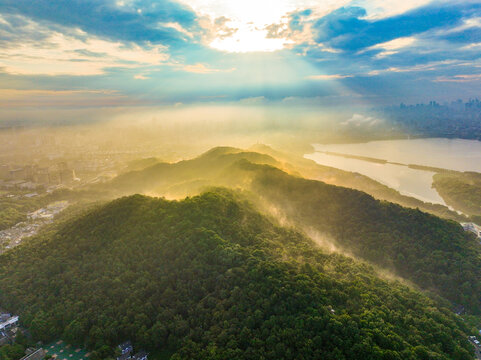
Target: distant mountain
(209, 277)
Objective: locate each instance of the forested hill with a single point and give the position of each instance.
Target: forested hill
(433, 253)
(210, 278)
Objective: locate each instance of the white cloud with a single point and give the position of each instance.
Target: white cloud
(253, 100)
(472, 46)
(392, 47)
(432, 66)
(359, 120)
(385, 8)
(459, 78)
(328, 77)
(202, 69)
(470, 23)
(248, 39)
(74, 53)
(178, 27)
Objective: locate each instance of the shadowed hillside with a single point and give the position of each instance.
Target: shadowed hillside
(434, 253)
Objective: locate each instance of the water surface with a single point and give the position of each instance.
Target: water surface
(453, 154)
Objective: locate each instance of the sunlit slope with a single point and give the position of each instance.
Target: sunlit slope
(435, 254)
(189, 176)
(210, 278)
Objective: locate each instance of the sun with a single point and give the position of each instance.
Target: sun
(250, 18)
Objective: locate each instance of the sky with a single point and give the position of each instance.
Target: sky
(84, 54)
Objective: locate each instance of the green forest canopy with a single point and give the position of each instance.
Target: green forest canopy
(210, 278)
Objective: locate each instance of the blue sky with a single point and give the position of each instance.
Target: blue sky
(118, 53)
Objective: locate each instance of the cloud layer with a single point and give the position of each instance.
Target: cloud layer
(159, 51)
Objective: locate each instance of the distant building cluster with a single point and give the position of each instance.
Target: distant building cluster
(457, 119)
(127, 352)
(13, 236)
(8, 328)
(49, 212)
(30, 177)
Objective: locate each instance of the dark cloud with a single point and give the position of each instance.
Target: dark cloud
(297, 21)
(136, 21)
(351, 46)
(348, 29)
(297, 18)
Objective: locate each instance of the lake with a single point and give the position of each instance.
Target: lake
(453, 154)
